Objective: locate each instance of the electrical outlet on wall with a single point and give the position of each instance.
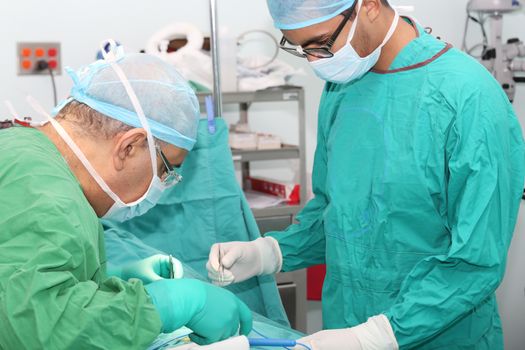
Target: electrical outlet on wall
(36, 58)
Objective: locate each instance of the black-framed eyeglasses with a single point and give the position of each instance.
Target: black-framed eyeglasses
(170, 177)
(324, 51)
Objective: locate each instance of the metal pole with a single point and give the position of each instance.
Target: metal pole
(217, 95)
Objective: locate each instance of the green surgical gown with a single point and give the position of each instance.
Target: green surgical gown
(418, 176)
(54, 293)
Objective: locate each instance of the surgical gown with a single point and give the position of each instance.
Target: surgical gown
(54, 293)
(418, 176)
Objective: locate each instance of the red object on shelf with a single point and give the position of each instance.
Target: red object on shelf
(52, 52)
(314, 282)
(290, 192)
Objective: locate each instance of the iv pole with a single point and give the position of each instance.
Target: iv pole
(217, 94)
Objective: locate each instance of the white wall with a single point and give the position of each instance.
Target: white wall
(81, 25)
(511, 294)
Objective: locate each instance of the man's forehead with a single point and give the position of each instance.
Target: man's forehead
(312, 34)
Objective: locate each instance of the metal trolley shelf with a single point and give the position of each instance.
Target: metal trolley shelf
(277, 94)
(287, 152)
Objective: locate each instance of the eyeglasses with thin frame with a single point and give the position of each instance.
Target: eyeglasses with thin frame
(324, 51)
(170, 177)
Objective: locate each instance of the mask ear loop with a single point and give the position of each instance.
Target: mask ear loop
(354, 25)
(393, 27)
(15, 117)
(12, 110)
(111, 58)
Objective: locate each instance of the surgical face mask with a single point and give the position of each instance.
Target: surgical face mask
(119, 211)
(346, 65)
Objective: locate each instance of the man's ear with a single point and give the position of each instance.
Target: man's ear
(372, 9)
(127, 146)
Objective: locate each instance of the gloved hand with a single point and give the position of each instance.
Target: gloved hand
(212, 313)
(374, 334)
(331, 339)
(235, 262)
(154, 268)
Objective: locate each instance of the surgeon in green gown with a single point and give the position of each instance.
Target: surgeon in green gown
(418, 175)
(110, 152)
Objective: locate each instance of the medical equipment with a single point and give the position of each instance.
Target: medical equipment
(268, 142)
(212, 128)
(271, 342)
(221, 266)
(497, 57)
(243, 140)
(244, 343)
(249, 36)
(257, 200)
(253, 141)
(172, 269)
(193, 63)
(491, 6)
(106, 48)
(258, 70)
(241, 67)
(169, 340)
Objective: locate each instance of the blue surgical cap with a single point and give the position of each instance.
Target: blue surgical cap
(295, 14)
(169, 103)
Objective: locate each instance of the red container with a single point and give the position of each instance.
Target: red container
(289, 191)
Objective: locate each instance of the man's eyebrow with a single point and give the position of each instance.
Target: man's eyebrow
(316, 39)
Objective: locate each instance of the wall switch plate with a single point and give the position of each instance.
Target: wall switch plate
(31, 53)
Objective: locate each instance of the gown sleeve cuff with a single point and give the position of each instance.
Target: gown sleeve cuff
(271, 256)
(376, 334)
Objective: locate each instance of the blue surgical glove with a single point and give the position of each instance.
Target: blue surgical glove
(212, 313)
(148, 270)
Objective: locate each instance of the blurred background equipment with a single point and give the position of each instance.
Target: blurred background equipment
(248, 61)
(498, 57)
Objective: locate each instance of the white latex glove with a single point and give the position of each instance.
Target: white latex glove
(243, 260)
(374, 334)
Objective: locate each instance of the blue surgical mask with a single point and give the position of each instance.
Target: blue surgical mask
(346, 65)
(121, 212)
